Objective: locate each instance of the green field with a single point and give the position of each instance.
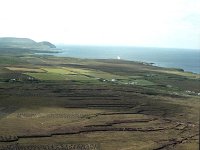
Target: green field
(50, 102)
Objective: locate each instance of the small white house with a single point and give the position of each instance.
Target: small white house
(113, 80)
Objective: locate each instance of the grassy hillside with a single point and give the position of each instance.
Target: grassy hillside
(48, 102)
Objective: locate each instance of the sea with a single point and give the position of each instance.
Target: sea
(186, 59)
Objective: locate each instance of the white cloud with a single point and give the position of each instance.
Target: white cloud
(162, 23)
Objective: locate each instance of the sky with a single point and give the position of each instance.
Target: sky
(147, 23)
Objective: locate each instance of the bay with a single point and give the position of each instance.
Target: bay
(187, 59)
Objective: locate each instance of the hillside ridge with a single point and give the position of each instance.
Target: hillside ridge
(14, 42)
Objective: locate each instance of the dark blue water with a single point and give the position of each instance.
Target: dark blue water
(187, 59)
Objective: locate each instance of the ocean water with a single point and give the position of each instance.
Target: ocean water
(186, 59)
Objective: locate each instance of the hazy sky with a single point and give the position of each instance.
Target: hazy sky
(155, 23)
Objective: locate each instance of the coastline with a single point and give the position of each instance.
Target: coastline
(62, 53)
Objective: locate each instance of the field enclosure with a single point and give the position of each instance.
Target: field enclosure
(53, 102)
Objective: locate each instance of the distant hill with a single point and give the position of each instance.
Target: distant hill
(13, 42)
(46, 43)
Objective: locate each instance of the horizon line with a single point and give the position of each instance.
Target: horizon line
(136, 46)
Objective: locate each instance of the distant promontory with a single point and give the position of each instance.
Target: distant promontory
(13, 42)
